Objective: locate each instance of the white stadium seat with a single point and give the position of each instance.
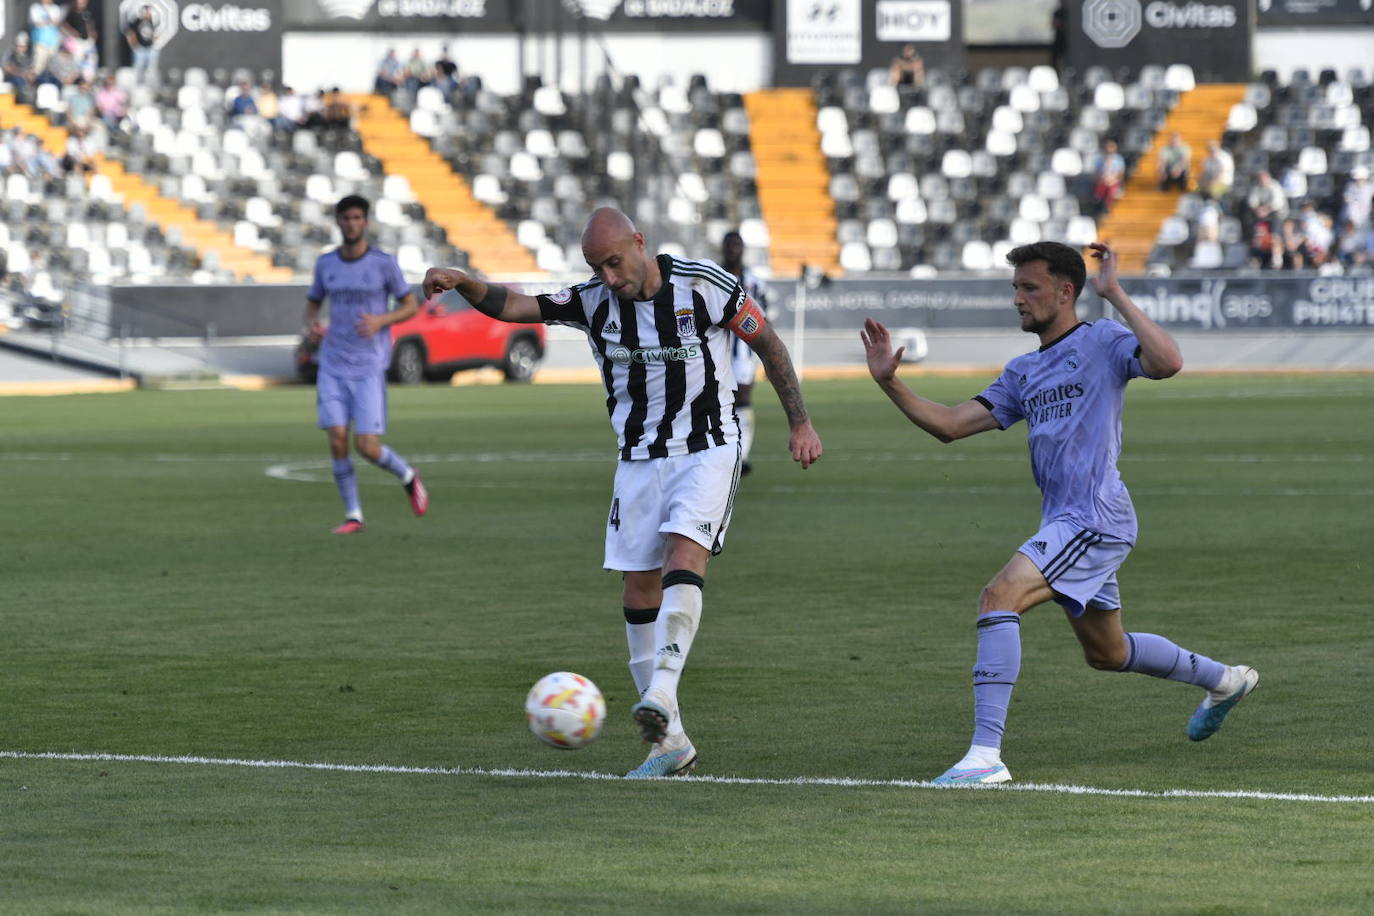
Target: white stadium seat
(920, 120)
(855, 258)
(1109, 96)
(956, 163)
(977, 255)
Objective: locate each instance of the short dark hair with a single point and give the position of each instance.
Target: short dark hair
(1061, 261)
(352, 202)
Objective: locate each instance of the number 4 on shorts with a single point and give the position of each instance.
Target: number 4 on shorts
(615, 514)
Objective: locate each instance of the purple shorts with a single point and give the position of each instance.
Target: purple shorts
(359, 401)
(1080, 565)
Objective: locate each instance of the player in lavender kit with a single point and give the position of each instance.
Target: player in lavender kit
(355, 349)
(660, 330)
(745, 363)
(1070, 393)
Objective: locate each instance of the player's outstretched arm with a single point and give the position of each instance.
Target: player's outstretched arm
(1159, 353)
(488, 298)
(940, 420)
(803, 441)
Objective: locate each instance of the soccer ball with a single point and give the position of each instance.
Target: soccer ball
(565, 710)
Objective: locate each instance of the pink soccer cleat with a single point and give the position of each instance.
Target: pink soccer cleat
(419, 496)
(350, 526)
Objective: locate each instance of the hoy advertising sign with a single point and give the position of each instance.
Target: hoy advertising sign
(1211, 36)
(813, 36)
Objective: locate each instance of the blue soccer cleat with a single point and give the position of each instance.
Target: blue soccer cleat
(663, 763)
(973, 776)
(1236, 685)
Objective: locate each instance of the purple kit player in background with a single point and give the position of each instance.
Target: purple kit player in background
(355, 350)
(1070, 393)
(742, 356)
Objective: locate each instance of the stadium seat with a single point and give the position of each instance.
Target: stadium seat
(1042, 79)
(956, 164)
(920, 120)
(855, 258)
(911, 211)
(620, 166)
(977, 256)
(1109, 96)
(881, 233)
(1179, 78)
(1081, 231)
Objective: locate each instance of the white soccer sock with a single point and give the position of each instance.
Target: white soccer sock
(746, 430)
(674, 630)
(980, 758)
(640, 638)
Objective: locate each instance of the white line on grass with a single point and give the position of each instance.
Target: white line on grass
(842, 782)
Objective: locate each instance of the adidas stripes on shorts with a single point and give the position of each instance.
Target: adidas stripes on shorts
(1080, 565)
(690, 495)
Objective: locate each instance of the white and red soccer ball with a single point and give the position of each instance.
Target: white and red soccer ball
(565, 710)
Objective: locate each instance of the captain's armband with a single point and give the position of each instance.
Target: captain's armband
(748, 322)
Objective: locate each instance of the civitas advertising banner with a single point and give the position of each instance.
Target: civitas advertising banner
(1185, 303)
(1264, 302)
(1316, 12)
(213, 34)
(1211, 36)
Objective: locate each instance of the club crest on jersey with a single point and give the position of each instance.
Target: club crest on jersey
(562, 297)
(1072, 360)
(686, 322)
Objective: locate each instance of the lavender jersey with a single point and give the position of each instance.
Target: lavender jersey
(363, 286)
(1070, 393)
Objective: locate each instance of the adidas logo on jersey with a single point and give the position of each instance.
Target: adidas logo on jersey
(1039, 545)
(612, 327)
(704, 527)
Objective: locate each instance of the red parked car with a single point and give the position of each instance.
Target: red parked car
(442, 339)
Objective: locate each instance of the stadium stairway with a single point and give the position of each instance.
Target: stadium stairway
(793, 181)
(202, 235)
(446, 196)
(1133, 223)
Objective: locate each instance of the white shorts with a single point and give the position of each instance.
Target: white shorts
(1080, 565)
(690, 495)
(744, 362)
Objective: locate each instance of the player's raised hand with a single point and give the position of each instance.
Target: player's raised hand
(882, 362)
(1106, 280)
(805, 445)
(440, 280)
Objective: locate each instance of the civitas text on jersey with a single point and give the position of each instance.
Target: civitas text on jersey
(1161, 15)
(202, 17)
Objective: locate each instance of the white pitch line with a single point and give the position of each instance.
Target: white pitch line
(841, 782)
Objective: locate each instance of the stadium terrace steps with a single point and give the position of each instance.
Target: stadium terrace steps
(1134, 221)
(446, 196)
(793, 181)
(204, 236)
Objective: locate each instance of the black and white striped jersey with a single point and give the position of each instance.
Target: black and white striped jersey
(665, 362)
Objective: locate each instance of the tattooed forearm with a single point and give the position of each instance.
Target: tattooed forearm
(778, 365)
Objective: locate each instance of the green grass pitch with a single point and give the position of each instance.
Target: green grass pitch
(165, 595)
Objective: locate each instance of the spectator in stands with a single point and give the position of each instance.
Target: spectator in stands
(907, 68)
(1174, 158)
(45, 17)
(112, 102)
(1318, 229)
(1357, 197)
(1109, 176)
(243, 105)
(79, 37)
(445, 71)
(18, 63)
(1355, 247)
(419, 72)
(62, 70)
(80, 152)
(1262, 242)
(269, 104)
(81, 110)
(1059, 42)
(1294, 253)
(290, 110)
(142, 35)
(1266, 199)
(337, 111)
(1218, 172)
(390, 74)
